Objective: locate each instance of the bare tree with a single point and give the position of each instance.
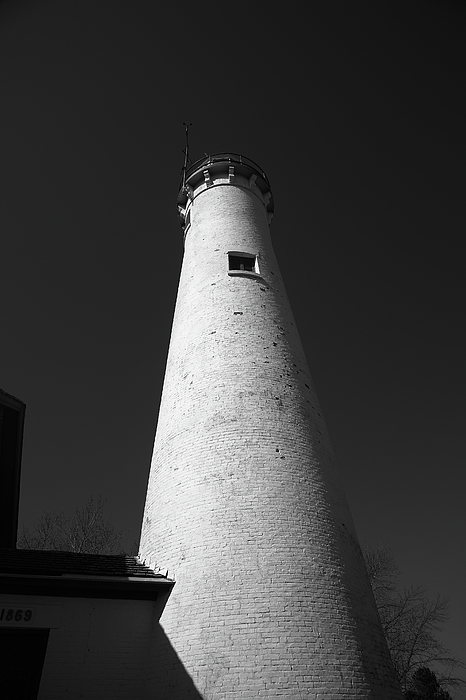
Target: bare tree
(411, 622)
(87, 531)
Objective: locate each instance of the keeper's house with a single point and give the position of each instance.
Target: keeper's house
(72, 625)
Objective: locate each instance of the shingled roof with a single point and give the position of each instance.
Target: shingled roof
(32, 561)
(70, 573)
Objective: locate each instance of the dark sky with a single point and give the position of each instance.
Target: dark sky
(357, 113)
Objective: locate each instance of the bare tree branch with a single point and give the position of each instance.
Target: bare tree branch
(411, 622)
(87, 531)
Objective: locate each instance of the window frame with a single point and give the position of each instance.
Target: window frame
(255, 272)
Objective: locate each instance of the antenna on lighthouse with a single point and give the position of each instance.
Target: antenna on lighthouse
(186, 154)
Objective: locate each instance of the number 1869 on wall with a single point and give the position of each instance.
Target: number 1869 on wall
(12, 615)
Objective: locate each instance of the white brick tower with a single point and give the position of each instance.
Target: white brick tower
(244, 506)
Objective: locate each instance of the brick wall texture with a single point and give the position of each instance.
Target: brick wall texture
(244, 505)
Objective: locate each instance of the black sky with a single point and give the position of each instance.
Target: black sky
(357, 113)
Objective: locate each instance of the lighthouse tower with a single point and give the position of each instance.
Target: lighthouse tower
(244, 505)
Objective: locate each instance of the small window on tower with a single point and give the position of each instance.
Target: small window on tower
(242, 262)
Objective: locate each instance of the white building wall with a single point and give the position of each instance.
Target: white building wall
(244, 506)
(97, 648)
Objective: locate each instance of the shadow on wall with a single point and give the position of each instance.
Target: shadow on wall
(168, 678)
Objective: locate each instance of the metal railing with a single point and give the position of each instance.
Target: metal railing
(229, 158)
